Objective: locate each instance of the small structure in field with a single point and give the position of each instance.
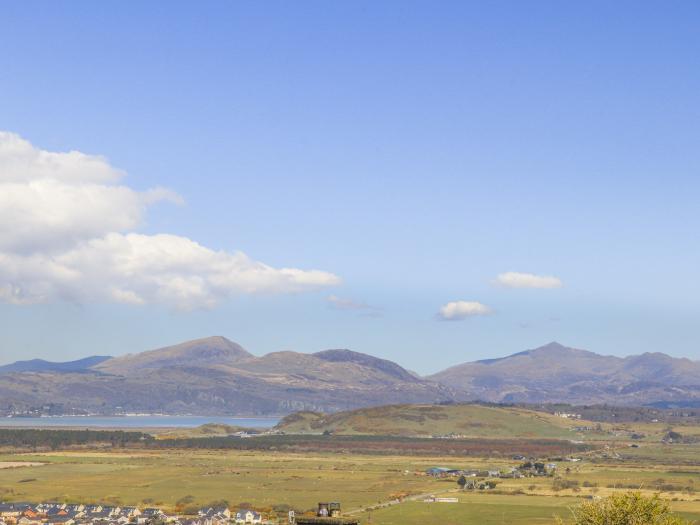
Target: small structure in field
(327, 514)
(434, 499)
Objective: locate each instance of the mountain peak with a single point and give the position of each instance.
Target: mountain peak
(207, 351)
(549, 350)
(557, 372)
(556, 351)
(554, 346)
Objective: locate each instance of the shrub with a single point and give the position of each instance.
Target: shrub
(630, 508)
(563, 484)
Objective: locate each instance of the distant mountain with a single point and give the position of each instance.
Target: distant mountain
(216, 376)
(556, 373)
(39, 365)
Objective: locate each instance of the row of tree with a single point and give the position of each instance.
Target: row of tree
(56, 438)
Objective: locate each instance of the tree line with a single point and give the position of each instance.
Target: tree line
(55, 439)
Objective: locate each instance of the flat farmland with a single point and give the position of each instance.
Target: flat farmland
(367, 484)
(491, 509)
(475, 509)
(260, 478)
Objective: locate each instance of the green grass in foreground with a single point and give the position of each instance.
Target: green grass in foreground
(273, 477)
(483, 509)
(262, 479)
(477, 510)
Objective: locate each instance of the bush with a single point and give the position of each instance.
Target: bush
(190, 510)
(563, 484)
(630, 508)
(217, 504)
(185, 500)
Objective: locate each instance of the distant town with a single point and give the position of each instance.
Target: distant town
(80, 514)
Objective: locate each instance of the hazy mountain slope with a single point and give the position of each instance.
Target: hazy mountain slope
(557, 373)
(658, 367)
(386, 366)
(39, 365)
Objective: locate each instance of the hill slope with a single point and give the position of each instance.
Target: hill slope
(432, 420)
(558, 373)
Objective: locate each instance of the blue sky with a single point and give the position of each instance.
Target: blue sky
(414, 151)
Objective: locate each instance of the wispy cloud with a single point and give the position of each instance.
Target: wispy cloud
(341, 303)
(527, 280)
(67, 233)
(459, 310)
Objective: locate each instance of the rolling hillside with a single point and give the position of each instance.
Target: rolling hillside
(463, 420)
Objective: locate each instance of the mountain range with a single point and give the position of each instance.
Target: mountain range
(217, 376)
(555, 373)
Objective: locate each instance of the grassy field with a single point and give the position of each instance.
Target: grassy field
(476, 509)
(263, 479)
(267, 479)
(488, 509)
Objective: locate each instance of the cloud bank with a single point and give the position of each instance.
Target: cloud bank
(67, 233)
(458, 310)
(527, 280)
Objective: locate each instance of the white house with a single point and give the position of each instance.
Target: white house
(248, 516)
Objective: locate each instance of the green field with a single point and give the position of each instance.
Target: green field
(263, 479)
(486, 509)
(270, 479)
(478, 509)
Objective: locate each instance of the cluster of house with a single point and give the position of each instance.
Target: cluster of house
(526, 469)
(78, 514)
(567, 415)
(223, 516)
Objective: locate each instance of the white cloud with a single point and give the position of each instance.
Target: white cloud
(458, 310)
(527, 280)
(49, 201)
(66, 234)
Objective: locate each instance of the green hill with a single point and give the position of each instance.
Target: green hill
(461, 420)
(203, 431)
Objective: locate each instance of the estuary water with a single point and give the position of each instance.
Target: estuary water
(136, 421)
